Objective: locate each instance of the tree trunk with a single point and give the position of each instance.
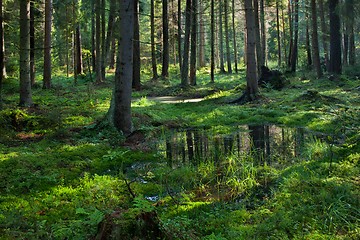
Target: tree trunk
(221, 39)
(234, 36)
(278, 33)
(185, 65)
(152, 36)
(112, 54)
(179, 33)
(294, 51)
(251, 66)
(93, 33)
(47, 45)
(227, 39)
(103, 53)
(212, 41)
(324, 34)
(258, 49)
(136, 84)
(1, 50)
(315, 40)
(308, 46)
(165, 53)
(201, 55)
(291, 35)
(99, 75)
(193, 43)
(263, 32)
(25, 81)
(335, 38)
(110, 29)
(352, 46)
(32, 43)
(79, 60)
(120, 109)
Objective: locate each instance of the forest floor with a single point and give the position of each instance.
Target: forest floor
(191, 170)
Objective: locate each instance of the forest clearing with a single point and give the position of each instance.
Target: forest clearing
(196, 119)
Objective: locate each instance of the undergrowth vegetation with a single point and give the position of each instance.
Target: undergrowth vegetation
(64, 175)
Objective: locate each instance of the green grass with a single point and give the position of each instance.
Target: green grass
(63, 176)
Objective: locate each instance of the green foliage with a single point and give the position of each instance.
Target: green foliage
(63, 171)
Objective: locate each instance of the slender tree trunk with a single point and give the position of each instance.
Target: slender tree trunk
(221, 39)
(152, 36)
(324, 34)
(263, 32)
(315, 39)
(345, 45)
(179, 33)
(294, 51)
(78, 44)
(308, 45)
(185, 65)
(136, 84)
(227, 39)
(99, 75)
(278, 33)
(120, 109)
(291, 35)
(251, 68)
(109, 33)
(257, 36)
(93, 33)
(32, 43)
(212, 40)
(102, 45)
(112, 54)
(25, 81)
(47, 45)
(234, 36)
(201, 61)
(1, 50)
(165, 53)
(193, 43)
(352, 46)
(335, 38)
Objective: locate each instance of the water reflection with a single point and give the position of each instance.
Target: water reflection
(266, 144)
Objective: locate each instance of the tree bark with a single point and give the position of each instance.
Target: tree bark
(193, 43)
(103, 35)
(165, 53)
(221, 39)
(201, 61)
(308, 45)
(120, 112)
(234, 36)
(79, 60)
(93, 33)
(263, 32)
(32, 42)
(324, 34)
(212, 40)
(1, 50)
(315, 39)
(185, 65)
(136, 84)
(294, 51)
(47, 45)
(25, 81)
(227, 39)
(257, 36)
(251, 65)
(99, 75)
(278, 33)
(152, 36)
(179, 33)
(110, 29)
(335, 38)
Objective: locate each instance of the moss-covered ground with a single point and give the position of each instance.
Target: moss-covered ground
(65, 176)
